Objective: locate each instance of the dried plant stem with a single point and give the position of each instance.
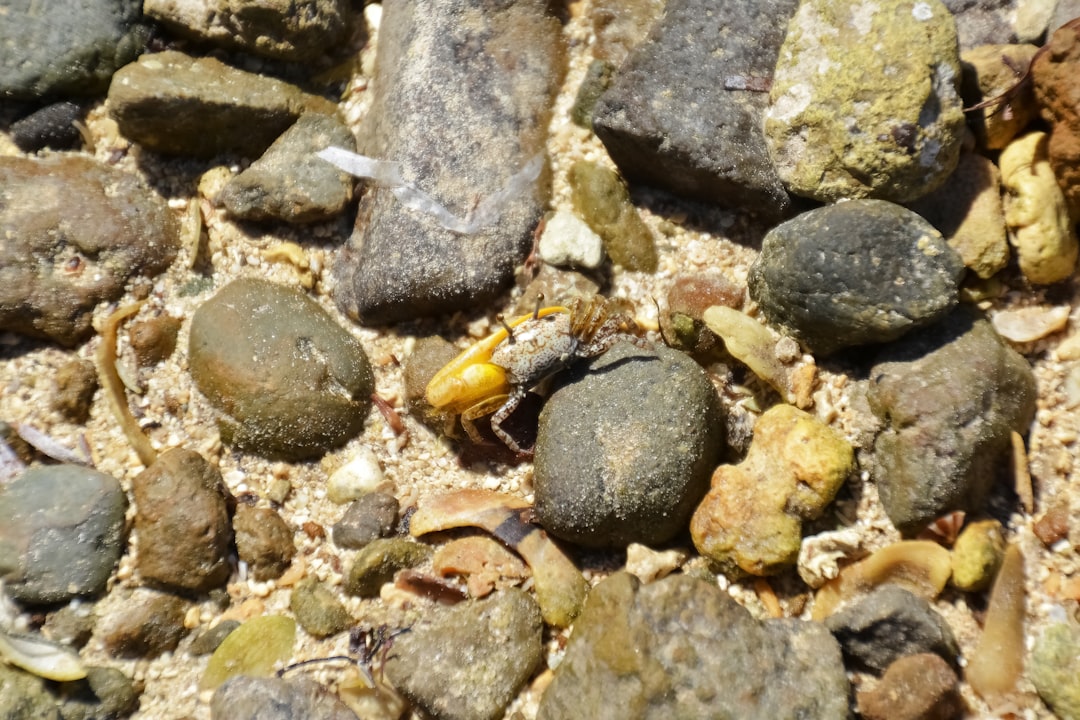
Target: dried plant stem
(114, 387)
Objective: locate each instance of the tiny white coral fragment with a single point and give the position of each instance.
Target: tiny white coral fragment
(386, 173)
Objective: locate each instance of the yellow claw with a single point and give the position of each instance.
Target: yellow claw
(470, 379)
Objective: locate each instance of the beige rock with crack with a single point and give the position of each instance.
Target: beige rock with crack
(1036, 212)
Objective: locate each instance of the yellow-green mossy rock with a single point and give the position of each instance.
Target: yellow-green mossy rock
(865, 100)
(977, 555)
(751, 519)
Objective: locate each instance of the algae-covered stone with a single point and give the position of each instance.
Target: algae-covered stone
(1036, 212)
(379, 560)
(25, 697)
(854, 273)
(602, 200)
(682, 648)
(751, 519)
(469, 661)
(865, 100)
(950, 396)
(1055, 669)
(289, 381)
(977, 555)
(317, 610)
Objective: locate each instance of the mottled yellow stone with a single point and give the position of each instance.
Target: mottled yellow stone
(977, 555)
(751, 519)
(1036, 212)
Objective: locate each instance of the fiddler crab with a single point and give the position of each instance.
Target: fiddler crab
(493, 376)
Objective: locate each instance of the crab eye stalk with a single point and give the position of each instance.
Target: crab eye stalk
(506, 326)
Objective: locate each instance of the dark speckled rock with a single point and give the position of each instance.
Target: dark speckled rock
(625, 448)
(682, 648)
(859, 272)
(670, 120)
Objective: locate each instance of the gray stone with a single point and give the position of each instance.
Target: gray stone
(888, 624)
(682, 648)
(950, 396)
(866, 100)
(463, 97)
(288, 182)
(854, 273)
(144, 624)
(182, 519)
(368, 518)
(66, 219)
(71, 625)
(379, 560)
(1055, 669)
(296, 30)
(24, 696)
(61, 533)
(250, 698)
(53, 126)
(50, 47)
(670, 120)
(105, 694)
(625, 448)
(983, 22)
(264, 541)
(317, 610)
(470, 660)
(289, 381)
(175, 104)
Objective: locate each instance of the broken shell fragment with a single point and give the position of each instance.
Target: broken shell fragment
(921, 566)
(997, 663)
(560, 586)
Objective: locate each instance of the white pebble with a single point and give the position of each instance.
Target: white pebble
(568, 242)
(358, 477)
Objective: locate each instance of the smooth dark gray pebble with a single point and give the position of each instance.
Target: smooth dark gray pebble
(53, 127)
(106, 693)
(888, 624)
(61, 533)
(625, 448)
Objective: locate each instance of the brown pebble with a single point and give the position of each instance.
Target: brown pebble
(314, 530)
(154, 339)
(264, 541)
(915, 687)
(147, 624)
(76, 383)
(1054, 524)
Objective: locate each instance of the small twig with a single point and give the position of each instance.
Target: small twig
(114, 387)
